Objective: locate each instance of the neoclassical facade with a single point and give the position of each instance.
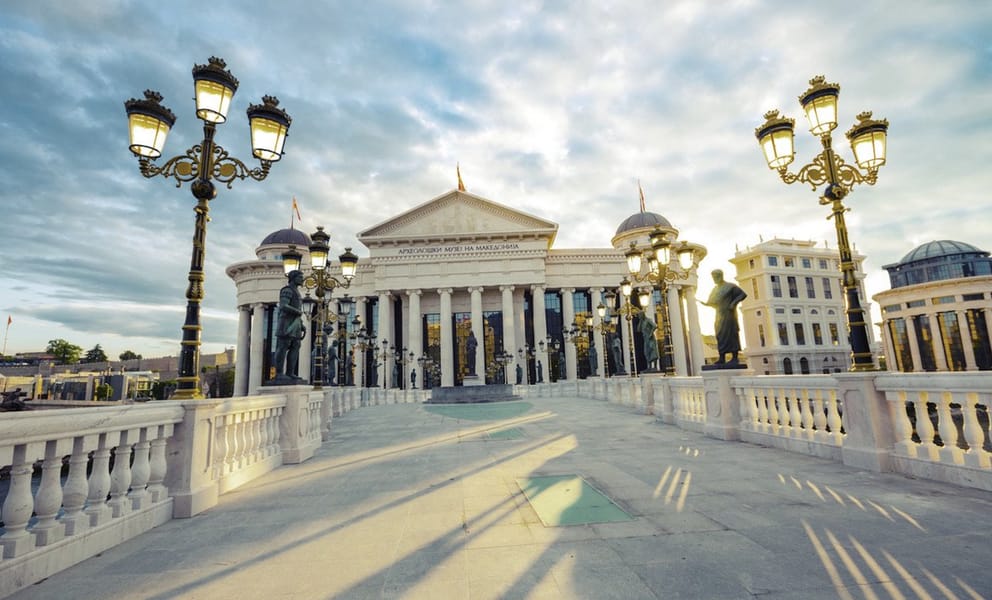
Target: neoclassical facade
(461, 264)
(938, 314)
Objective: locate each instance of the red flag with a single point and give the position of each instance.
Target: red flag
(296, 209)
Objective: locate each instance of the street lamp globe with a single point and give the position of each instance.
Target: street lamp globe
(820, 105)
(148, 124)
(215, 87)
(776, 137)
(269, 128)
(868, 139)
(291, 260)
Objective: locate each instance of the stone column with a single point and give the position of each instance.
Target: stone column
(965, 337)
(509, 332)
(695, 333)
(415, 333)
(914, 346)
(568, 315)
(243, 353)
(479, 331)
(257, 359)
(937, 342)
(597, 336)
(447, 355)
(678, 333)
(360, 304)
(540, 329)
(384, 333)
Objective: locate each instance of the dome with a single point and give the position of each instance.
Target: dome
(939, 248)
(287, 236)
(640, 220)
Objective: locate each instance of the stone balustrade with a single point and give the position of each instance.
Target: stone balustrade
(68, 496)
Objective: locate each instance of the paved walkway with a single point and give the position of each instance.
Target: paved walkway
(409, 503)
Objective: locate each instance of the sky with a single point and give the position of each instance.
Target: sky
(557, 109)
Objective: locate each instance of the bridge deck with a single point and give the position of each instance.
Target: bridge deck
(404, 502)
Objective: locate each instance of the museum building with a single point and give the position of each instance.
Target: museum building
(460, 263)
(938, 314)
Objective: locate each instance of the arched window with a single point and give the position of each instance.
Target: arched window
(804, 366)
(787, 366)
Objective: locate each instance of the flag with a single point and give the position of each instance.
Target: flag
(642, 195)
(296, 210)
(9, 320)
(461, 185)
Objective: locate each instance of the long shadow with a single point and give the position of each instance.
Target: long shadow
(190, 587)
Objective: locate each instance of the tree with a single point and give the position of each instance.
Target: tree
(96, 354)
(103, 391)
(63, 351)
(129, 355)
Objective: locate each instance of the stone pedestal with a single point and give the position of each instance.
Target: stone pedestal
(473, 380)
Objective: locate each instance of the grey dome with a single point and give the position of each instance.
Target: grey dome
(938, 248)
(287, 236)
(640, 220)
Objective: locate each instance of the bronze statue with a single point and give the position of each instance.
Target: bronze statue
(470, 345)
(618, 368)
(290, 330)
(724, 300)
(593, 360)
(647, 328)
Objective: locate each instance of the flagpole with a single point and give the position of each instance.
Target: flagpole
(5, 333)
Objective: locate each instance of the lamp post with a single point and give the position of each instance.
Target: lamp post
(606, 326)
(363, 342)
(526, 355)
(579, 330)
(322, 283)
(868, 141)
(653, 265)
(149, 123)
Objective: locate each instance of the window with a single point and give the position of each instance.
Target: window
(754, 288)
(776, 286)
(783, 334)
(834, 334)
(790, 261)
(969, 297)
(787, 366)
(823, 263)
(772, 261)
(793, 288)
(817, 334)
(950, 337)
(943, 300)
(804, 365)
(892, 308)
(797, 311)
(779, 311)
(916, 303)
(810, 290)
(827, 290)
(807, 263)
(900, 344)
(750, 263)
(800, 334)
(761, 335)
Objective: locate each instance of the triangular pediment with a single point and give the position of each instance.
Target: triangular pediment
(459, 215)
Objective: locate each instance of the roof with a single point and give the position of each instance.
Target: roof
(640, 220)
(939, 248)
(287, 236)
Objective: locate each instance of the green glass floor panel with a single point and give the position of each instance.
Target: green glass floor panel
(568, 500)
(512, 433)
(489, 411)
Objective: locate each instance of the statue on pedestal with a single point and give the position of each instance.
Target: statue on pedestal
(647, 328)
(289, 331)
(470, 345)
(724, 300)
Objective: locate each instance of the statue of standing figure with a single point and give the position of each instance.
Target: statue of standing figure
(289, 330)
(647, 328)
(724, 300)
(617, 352)
(470, 345)
(593, 360)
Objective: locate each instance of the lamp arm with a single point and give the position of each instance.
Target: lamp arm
(226, 168)
(827, 167)
(181, 168)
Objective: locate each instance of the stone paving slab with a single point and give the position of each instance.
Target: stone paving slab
(409, 502)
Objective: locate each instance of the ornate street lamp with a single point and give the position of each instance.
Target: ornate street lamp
(149, 123)
(868, 142)
(322, 283)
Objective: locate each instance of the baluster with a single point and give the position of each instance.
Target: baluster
(255, 433)
(834, 421)
(18, 505)
(140, 472)
(806, 414)
(75, 489)
(795, 416)
(48, 498)
(772, 412)
(819, 416)
(899, 413)
(244, 441)
(235, 429)
(924, 426)
(262, 433)
(158, 464)
(749, 409)
(120, 477)
(950, 453)
(222, 450)
(976, 456)
(96, 501)
(782, 404)
(763, 413)
(276, 433)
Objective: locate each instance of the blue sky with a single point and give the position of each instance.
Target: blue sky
(554, 108)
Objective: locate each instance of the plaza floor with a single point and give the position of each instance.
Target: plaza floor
(416, 501)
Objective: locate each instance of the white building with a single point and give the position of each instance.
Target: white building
(794, 316)
(455, 264)
(938, 314)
